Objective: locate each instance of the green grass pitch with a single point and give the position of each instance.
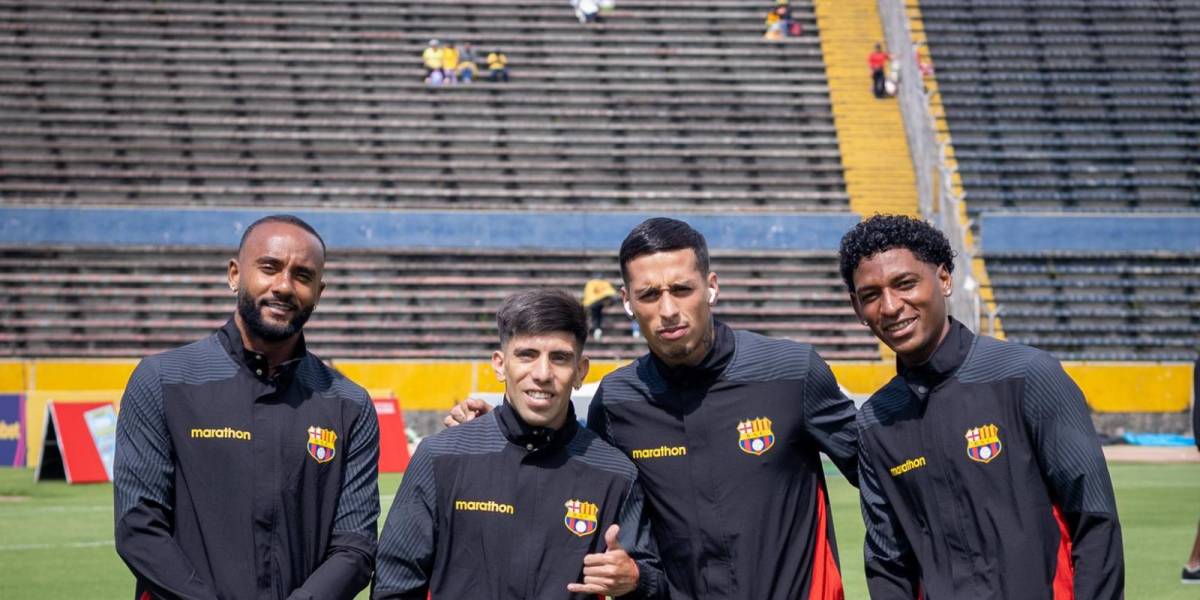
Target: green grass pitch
(56, 540)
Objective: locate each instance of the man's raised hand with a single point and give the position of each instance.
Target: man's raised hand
(613, 573)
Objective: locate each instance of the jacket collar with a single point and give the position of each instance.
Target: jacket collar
(534, 439)
(949, 356)
(230, 338)
(709, 368)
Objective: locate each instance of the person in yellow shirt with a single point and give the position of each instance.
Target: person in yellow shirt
(597, 294)
(432, 57)
(497, 66)
(450, 63)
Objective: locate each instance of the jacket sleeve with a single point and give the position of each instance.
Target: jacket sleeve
(1073, 467)
(635, 537)
(407, 545)
(144, 494)
(892, 572)
(829, 417)
(350, 559)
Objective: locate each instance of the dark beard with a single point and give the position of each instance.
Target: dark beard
(251, 314)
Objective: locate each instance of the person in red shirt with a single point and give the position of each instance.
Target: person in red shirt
(878, 61)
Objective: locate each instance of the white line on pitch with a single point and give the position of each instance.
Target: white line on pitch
(22, 547)
(10, 511)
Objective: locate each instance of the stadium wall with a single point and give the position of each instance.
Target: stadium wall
(427, 389)
(22, 226)
(1153, 232)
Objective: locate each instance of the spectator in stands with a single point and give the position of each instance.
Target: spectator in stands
(597, 294)
(432, 57)
(977, 445)
(525, 483)
(1191, 571)
(467, 63)
(878, 61)
(587, 11)
(245, 467)
(450, 63)
(924, 66)
(779, 22)
(497, 66)
(774, 27)
(726, 427)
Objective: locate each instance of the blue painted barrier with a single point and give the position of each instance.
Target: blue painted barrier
(394, 229)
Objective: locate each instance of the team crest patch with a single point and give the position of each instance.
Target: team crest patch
(983, 443)
(755, 436)
(581, 517)
(321, 443)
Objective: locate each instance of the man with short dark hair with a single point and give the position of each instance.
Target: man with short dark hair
(522, 503)
(981, 474)
(244, 466)
(726, 429)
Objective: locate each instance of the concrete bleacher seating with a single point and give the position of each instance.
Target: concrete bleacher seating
(384, 304)
(1101, 305)
(1070, 105)
(320, 103)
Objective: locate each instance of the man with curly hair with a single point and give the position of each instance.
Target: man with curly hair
(981, 474)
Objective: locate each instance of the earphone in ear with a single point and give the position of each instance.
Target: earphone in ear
(628, 309)
(712, 296)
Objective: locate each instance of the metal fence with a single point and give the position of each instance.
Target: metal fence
(935, 190)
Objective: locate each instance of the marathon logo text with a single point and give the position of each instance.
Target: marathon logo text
(659, 452)
(485, 506)
(224, 433)
(908, 465)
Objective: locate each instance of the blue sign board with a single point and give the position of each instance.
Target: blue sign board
(12, 430)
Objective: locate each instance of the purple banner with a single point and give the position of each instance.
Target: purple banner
(12, 430)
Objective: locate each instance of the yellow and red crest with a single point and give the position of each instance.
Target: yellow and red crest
(755, 436)
(582, 517)
(321, 444)
(983, 443)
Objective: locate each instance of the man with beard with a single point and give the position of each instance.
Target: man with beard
(244, 466)
(981, 474)
(725, 428)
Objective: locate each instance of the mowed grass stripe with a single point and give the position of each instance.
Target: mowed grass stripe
(57, 542)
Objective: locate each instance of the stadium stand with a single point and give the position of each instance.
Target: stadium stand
(321, 104)
(1065, 110)
(1070, 105)
(1101, 305)
(129, 302)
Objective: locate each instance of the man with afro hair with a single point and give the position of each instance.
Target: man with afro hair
(980, 472)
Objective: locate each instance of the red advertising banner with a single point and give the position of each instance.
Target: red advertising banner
(79, 441)
(393, 440)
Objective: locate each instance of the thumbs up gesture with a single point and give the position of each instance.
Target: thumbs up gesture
(612, 573)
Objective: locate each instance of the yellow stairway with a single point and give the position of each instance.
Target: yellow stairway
(878, 168)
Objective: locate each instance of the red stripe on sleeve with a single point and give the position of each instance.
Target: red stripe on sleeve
(826, 577)
(1064, 571)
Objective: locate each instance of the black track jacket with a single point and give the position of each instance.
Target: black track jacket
(982, 477)
(496, 510)
(727, 453)
(232, 485)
